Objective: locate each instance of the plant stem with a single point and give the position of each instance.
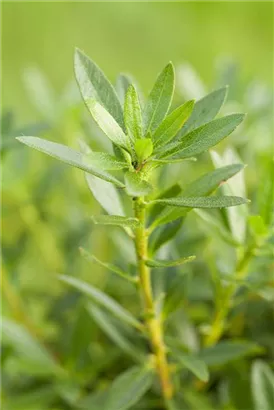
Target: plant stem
(152, 320)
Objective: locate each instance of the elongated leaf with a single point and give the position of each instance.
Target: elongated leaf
(108, 124)
(192, 363)
(203, 202)
(172, 161)
(143, 148)
(67, 155)
(111, 329)
(94, 85)
(116, 220)
(122, 83)
(113, 268)
(203, 138)
(104, 161)
(132, 114)
(164, 234)
(128, 388)
(106, 194)
(156, 263)
(28, 347)
(226, 351)
(102, 299)
(170, 192)
(135, 186)
(205, 110)
(172, 124)
(159, 100)
(262, 386)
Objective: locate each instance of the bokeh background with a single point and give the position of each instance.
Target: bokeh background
(47, 205)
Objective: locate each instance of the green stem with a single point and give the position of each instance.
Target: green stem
(152, 321)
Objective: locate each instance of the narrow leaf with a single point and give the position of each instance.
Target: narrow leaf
(104, 161)
(135, 186)
(192, 363)
(203, 202)
(102, 299)
(67, 155)
(128, 388)
(94, 85)
(143, 148)
(156, 263)
(159, 100)
(132, 114)
(116, 220)
(122, 83)
(205, 110)
(172, 124)
(262, 378)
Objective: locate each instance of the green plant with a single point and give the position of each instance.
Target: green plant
(145, 139)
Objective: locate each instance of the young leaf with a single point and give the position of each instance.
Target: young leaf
(159, 100)
(135, 186)
(172, 124)
(202, 202)
(143, 148)
(115, 269)
(104, 161)
(202, 138)
(102, 299)
(205, 110)
(156, 263)
(94, 85)
(67, 155)
(132, 114)
(192, 363)
(128, 388)
(108, 125)
(262, 378)
(116, 220)
(122, 83)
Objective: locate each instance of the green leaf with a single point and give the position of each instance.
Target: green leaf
(164, 234)
(108, 125)
(106, 194)
(67, 155)
(104, 161)
(143, 148)
(122, 83)
(262, 378)
(102, 299)
(116, 220)
(28, 347)
(172, 124)
(132, 114)
(257, 226)
(192, 363)
(159, 100)
(203, 202)
(111, 329)
(94, 85)
(128, 388)
(115, 269)
(135, 186)
(205, 110)
(226, 351)
(202, 138)
(156, 263)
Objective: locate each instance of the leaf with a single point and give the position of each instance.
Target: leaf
(202, 202)
(156, 209)
(164, 234)
(205, 110)
(108, 125)
(122, 84)
(226, 351)
(192, 363)
(202, 138)
(102, 299)
(135, 186)
(106, 194)
(156, 263)
(111, 329)
(28, 347)
(159, 100)
(104, 161)
(132, 114)
(262, 378)
(172, 124)
(143, 148)
(116, 220)
(67, 155)
(94, 85)
(115, 269)
(128, 388)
